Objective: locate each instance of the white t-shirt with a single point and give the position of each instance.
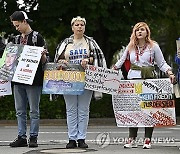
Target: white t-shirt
(77, 51)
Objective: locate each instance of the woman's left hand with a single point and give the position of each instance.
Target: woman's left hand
(172, 78)
(84, 62)
(43, 56)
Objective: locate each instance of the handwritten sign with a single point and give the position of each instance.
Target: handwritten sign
(69, 80)
(136, 103)
(102, 79)
(144, 103)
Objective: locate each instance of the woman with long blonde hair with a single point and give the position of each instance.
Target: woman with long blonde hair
(134, 42)
(143, 52)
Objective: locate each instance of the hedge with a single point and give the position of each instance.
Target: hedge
(56, 109)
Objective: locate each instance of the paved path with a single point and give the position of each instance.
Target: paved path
(53, 139)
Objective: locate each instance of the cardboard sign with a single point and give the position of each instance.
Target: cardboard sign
(19, 63)
(69, 80)
(145, 103)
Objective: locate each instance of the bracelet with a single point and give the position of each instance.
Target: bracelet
(171, 74)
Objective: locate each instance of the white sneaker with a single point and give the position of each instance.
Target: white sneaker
(130, 144)
(147, 143)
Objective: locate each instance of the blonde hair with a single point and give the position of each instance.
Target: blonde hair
(133, 39)
(78, 18)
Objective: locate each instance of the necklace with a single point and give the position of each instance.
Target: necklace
(24, 40)
(139, 51)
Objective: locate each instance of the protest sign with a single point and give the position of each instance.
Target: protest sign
(136, 103)
(5, 88)
(69, 80)
(102, 79)
(19, 63)
(144, 103)
(28, 64)
(9, 61)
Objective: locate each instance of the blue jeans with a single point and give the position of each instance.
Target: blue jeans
(24, 94)
(77, 110)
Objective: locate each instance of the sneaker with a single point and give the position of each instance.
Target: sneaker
(147, 143)
(131, 143)
(72, 144)
(33, 142)
(19, 142)
(82, 144)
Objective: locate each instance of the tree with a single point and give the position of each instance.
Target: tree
(6, 6)
(108, 21)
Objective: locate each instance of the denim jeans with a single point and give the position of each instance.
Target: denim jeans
(24, 94)
(77, 110)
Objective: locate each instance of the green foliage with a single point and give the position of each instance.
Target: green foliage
(7, 110)
(52, 109)
(56, 109)
(110, 22)
(102, 108)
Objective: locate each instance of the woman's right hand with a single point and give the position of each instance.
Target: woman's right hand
(63, 61)
(62, 64)
(115, 67)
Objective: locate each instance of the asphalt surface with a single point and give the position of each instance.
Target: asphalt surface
(53, 138)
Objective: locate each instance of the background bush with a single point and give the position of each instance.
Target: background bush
(56, 109)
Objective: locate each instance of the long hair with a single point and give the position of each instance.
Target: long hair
(133, 39)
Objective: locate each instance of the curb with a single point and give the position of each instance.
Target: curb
(62, 122)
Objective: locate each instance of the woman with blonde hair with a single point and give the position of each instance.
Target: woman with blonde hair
(81, 50)
(143, 52)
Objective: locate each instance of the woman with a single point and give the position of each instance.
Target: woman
(83, 50)
(143, 53)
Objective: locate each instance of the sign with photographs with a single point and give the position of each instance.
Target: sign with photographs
(19, 63)
(9, 61)
(63, 79)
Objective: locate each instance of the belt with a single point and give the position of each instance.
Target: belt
(147, 72)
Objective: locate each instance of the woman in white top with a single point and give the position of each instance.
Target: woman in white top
(143, 53)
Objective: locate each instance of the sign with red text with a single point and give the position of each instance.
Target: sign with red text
(28, 64)
(136, 103)
(145, 103)
(102, 79)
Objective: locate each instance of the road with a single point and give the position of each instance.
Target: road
(102, 139)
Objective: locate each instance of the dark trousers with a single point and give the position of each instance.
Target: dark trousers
(133, 132)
